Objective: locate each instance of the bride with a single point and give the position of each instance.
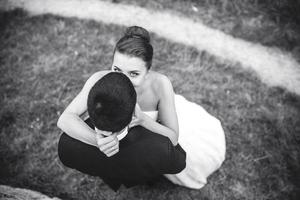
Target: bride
(158, 109)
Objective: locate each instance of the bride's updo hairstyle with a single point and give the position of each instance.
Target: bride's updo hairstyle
(111, 102)
(136, 43)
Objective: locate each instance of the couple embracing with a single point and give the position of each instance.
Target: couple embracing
(136, 128)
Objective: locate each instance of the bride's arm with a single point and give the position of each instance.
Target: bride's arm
(168, 125)
(70, 121)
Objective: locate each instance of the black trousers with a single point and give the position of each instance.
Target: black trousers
(143, 156)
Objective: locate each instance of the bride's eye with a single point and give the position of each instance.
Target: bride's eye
(133, 74)
(116, 69)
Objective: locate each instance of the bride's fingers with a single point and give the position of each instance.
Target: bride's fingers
(137, 111)
(131, 125)
(134, 122)
(109, 145)
(137, 108)
(112, 153)
(111, 150)
(103, 140)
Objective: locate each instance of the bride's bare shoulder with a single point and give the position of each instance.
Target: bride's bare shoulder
(160, 81)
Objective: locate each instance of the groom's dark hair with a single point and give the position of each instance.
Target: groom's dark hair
(111, 102)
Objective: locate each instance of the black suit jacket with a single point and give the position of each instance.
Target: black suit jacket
(143, 155)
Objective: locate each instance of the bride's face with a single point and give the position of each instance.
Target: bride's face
(133, 67)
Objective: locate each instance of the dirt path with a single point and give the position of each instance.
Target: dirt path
(273, 66)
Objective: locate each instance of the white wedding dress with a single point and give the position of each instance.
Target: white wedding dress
(202, 137)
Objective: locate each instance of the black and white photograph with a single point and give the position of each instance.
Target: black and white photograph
(149, 100)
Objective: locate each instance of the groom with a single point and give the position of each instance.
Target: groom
(143, 155)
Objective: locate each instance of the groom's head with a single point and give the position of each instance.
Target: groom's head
(111, 102)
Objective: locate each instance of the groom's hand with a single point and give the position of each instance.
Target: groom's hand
(108, 145)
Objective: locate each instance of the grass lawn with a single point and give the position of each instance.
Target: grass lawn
(44, 62)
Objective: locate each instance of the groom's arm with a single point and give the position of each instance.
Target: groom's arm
(178, 159)
(171, 158)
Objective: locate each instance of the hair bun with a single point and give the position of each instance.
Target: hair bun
(138, 32)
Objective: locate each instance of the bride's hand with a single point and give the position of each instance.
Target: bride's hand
(137, 118)
(108, 145)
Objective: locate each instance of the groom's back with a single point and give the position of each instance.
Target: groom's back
(143, 156)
